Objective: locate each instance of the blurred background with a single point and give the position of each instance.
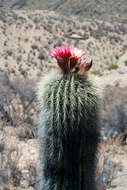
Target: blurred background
(29, 30)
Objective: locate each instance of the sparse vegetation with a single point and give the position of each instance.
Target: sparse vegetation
(97, 72)
(17, 101)
(125, 62)
(112, 67)
(117, 83)
(25, 35)
(18, 115)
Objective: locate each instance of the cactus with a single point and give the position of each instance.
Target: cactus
(69, 126)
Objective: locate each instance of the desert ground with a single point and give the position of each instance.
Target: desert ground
(27, 38)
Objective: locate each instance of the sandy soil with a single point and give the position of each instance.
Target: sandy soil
(27, 37)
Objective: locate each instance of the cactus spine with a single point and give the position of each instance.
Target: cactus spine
(68, 133)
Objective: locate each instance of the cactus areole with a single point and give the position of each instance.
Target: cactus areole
(69, 126)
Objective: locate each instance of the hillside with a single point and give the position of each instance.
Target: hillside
(27, 37)
(113, 10)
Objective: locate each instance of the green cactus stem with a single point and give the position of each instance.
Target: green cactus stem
(68, 132)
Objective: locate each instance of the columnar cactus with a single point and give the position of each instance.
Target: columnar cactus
(69, 127)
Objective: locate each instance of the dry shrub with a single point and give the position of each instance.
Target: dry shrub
(18, 114)
(114, 112)
(18, 103)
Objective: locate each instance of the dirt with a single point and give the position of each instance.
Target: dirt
(27, 38)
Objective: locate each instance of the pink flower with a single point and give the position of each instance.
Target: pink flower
(77, 53)
(61, 52)
(67, 57)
